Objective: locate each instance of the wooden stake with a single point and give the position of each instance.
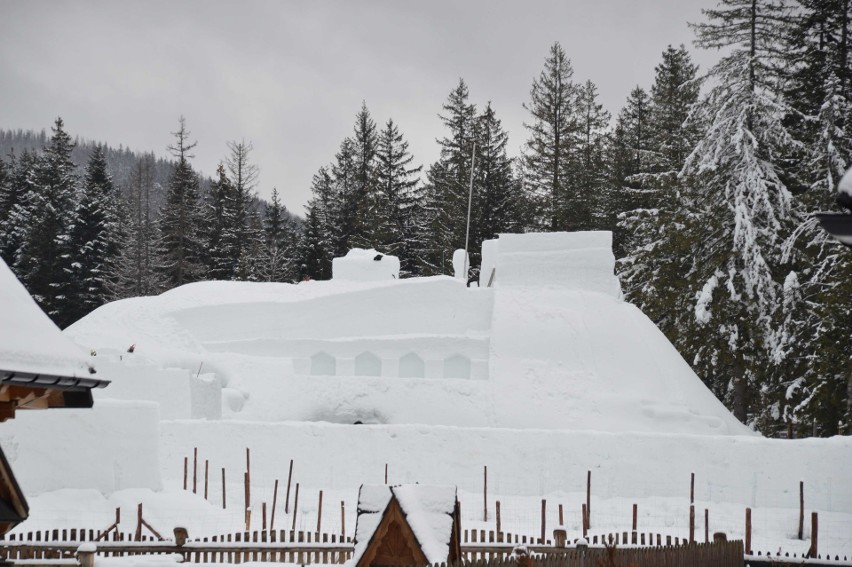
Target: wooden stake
(263, 516)
(801, 510)
(185, 471)
(295, 507)
(706, 525)
(561, 520)
(342, 521)
(485, 493)
(635, 516)
(499, 523)
(692, 488)
(247, 491)
(206, 476)
(195, 470)
(224, 500)
(289, 478)
(138, 536)
(386, 473)
(748, 531)
(692, 523)
(814, 535)
(543, 521)
(589, 500)
(319, 513)
(274, 503)
(585, 521)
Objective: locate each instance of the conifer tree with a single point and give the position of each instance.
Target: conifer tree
(356, 204)
(181, 218)
(448, 180)
(316, 249)
(219, 228)
(551, 149)
(94, 239)
(43, 257)
(497, 203)
(587, 206)
(338, 216)
(17, 199)
(737, 209)
(277, 262)
(139, 270)
(240, 231)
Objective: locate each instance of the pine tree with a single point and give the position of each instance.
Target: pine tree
(278, 259)
(339, 212)
(139, 269)
(357, 203)
(497, 202)
(738, 208)
(552, 146)
(181, 218)
(43, 258)
(587, 206)
(94, 239)
(240, 231)
(219, 223)
(448, 180)
(316, 249)
(386, 215)
(17, 199)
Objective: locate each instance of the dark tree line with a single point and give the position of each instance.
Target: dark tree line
(708, 180)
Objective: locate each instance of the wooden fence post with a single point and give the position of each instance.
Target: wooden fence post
(485, 493)
(295, 506)
(195, 470)
(274, 503)
(588, 514)
(692, 523)
(224, 500)
(814, 550)
(692, 488)
(543, 521)
(801, 510)
(497, 511)
(386, 473)
(138, 536)
(706, 525)
(748, 531)
(185, 471)
(319, 513)
(263, 516)
(247, 491)
(289, 478)
(342, 521)
(561, 518)
(206, 476)
(585, 521)
(635, 516)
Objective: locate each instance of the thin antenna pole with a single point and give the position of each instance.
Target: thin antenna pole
(469, 200)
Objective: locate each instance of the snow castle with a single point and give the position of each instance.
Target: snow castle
(550, 344)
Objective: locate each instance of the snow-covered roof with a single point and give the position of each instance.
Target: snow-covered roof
(30, 343)
(427, 509)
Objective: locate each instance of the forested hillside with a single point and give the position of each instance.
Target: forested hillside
(708, 178)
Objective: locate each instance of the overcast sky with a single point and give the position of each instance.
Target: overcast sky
(289, 76)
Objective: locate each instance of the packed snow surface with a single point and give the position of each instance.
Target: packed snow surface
(29, 340)
(365, 265)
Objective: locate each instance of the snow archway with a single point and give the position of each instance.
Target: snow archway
(323, 364)
(411, 366)
(368, 364)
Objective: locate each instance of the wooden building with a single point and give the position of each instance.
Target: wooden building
(407, 525)
(39, 369)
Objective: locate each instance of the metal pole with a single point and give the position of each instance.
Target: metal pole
(469, 200)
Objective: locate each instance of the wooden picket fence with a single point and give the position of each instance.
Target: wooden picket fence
(296, 547)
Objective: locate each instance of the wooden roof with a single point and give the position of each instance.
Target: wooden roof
(406, 526)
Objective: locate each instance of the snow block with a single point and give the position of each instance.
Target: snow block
(112, 446)
(365, 265)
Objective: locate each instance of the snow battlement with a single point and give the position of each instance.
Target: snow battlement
(574, 260)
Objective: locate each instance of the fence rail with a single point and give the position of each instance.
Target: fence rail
(286, 545)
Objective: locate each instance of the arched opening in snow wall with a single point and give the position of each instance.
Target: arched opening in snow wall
(323, 364)
(412, 366)
(457, 366)
(368, 364)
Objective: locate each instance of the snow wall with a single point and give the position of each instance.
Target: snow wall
(112, 446)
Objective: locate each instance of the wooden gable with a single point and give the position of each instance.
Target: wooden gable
(393, 543)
